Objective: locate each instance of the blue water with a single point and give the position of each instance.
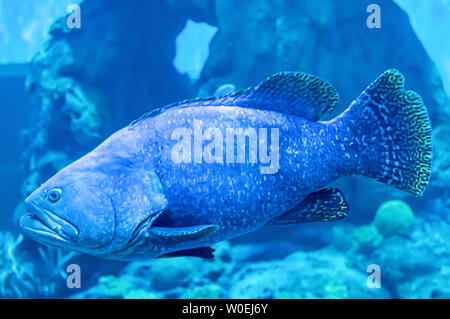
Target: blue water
(64, 90)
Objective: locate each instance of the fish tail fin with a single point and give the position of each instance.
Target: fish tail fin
(393, 133)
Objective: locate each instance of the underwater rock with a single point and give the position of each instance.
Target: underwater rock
(81, 88)
(203, 291)
(303, 275)
(180, 277)
(313, 37)
(431, 21)
(140, 294)
(197, 10)
(434, 234)
(441, 164)
(394, 217)
(401, 260)
(236, 271)
(329, 39)
(123, 287)
(432, 286)
(170, 273)
(406, 262)
(166, 274)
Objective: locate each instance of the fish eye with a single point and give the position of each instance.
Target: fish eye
(54, 195)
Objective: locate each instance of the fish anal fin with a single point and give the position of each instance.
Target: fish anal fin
(326, 205)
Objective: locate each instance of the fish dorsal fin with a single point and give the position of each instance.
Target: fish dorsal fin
(295, 93)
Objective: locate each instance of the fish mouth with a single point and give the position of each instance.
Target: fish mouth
(44, 226)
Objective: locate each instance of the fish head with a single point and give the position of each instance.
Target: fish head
(72, 210)
(101, 205)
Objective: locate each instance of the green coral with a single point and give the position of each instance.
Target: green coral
(115, 286)
(336, 290)
(367, 237)
(140, 294)
(207, 291)
(286, 295)
(394, 217)
(125, 286)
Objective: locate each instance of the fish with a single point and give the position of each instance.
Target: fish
(180, 179)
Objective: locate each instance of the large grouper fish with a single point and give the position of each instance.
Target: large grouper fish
(172, 184)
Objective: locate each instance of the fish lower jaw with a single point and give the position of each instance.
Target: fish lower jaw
(32, 226)
(42, 218)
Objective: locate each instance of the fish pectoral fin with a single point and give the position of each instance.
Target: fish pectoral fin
(200, 252)
(326, 205)
(174, 234)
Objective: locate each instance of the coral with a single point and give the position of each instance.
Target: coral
(336, 290)
(140, 294)
(413, 266)
(204, 291)
(394, 217)
(166, 274)
(286, 295)
(434, 285)
(367, 237)
(303, 275)
(16, 279)
(402, 260)
(125, 286)
(405, 263)
(180, 277)
(55, 261)
(24, 276)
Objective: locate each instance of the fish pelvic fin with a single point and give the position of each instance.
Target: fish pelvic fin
(392, 133)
